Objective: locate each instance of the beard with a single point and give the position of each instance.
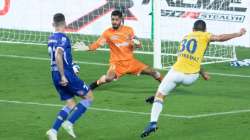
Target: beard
(116, 26)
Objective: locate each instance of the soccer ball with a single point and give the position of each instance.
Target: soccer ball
(76, 68)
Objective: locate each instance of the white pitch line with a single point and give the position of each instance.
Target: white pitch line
(93, 108)
(229, 75)
(219, 113)
(47, 59)
(137, 113)
(101, 64)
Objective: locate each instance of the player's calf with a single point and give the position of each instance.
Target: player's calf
(104, 79)
(61, 116)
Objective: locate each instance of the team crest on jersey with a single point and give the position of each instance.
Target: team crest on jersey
(64, 39)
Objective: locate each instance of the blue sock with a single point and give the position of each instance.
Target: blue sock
(61, 116)
(80, 109)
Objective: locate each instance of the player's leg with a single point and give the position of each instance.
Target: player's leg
(137, 67)
(189, 79)
(78, 111)
(63, 113)
(167, 85)
(157, 76)
(155, 113)
(81, 107)
(152, 72)
(109, 77)
(79, 88)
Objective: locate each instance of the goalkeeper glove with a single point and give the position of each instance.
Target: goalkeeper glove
(80, 46)
(136, 42)
(76, 68)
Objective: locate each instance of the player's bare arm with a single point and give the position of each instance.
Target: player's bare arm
(225, 37)
(59, 62)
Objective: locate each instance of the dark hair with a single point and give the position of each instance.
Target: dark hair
(200, 25)
(58, 18)
(117, 13)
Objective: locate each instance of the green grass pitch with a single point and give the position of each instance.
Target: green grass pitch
(218, 109)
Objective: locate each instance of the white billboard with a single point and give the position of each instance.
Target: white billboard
(93, 16)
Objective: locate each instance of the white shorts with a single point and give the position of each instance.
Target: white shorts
(174, 78)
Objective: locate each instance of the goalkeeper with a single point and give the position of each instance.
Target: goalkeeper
(121, 40)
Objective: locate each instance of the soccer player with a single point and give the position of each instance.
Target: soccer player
(185, 70)
(121, 40)
(66, 82)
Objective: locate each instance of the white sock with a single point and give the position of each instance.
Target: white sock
(156, 110)
(157, 75)
(54, 131)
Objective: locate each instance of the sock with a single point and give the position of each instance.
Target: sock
(156, 110)
(93, 85)
(80, 109)
(61, 116)
(160, 79)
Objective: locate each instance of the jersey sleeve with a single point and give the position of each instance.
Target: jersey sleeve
(208, 36)
(51, 41)
(100, 41)
(132, 33)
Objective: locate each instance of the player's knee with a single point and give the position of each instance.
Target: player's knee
(71, 103)
(90, 95)
(160, 96)
(86, 102)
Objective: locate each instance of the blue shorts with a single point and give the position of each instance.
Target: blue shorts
(75, 87)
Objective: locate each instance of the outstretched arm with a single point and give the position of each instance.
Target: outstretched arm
(81, 46)
(100, 42)
(225, 37)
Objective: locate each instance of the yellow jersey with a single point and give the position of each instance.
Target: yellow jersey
(191, 51)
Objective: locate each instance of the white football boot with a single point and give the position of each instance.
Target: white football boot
(68, 127)
(51, 134)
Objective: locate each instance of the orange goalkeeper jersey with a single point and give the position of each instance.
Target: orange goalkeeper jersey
(119, 42)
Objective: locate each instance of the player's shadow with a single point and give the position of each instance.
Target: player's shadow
(197, 90)
(125, 89)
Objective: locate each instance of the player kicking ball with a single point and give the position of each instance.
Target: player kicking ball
(186, 69)
(121, 41)
(66, 82)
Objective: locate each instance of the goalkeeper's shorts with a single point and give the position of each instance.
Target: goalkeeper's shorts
(123, 67)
